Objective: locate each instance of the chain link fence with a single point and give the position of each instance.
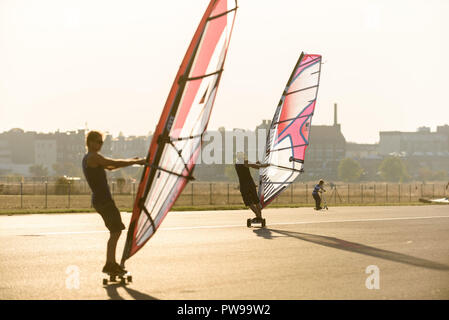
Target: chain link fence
(77, 195)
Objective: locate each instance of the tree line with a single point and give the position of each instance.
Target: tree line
(391, 169)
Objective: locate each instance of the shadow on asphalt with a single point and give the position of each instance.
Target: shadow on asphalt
(114, 295)
(353, 247)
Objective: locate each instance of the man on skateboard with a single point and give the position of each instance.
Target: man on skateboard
(316, 194)
(94, 165)
(247, 185)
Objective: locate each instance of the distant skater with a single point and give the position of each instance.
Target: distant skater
(316, 194)
(94, 165)
(247, 185)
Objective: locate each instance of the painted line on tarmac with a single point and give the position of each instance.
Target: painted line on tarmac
(240, 225)
(69, 232)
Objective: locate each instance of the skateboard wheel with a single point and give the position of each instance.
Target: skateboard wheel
(263, 223)
(248, 223)
(105, 282)
(130, 279)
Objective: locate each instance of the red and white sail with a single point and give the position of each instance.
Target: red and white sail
(176, 142)
(289, 133)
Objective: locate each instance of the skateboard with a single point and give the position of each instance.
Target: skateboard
(249, 222)
(117, 277)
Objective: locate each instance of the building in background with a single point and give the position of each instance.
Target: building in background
(57, 152)
(129, 147)
(423, 149)
(61, 153)
(327, 148)
(45, 153)
(419, 143)
(17, 149)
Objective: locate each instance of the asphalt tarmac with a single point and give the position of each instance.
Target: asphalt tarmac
(343, 253)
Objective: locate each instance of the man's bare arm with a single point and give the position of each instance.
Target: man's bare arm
(256, 165)
(96, 160)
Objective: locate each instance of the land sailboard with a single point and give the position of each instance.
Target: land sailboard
(176, 142)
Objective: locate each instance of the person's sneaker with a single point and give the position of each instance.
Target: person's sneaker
(113, 268)
(119, 268)
(108, 267)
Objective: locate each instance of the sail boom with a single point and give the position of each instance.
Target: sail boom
(288, 120)
(222, 14)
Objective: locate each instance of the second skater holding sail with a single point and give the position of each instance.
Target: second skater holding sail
(248, 187)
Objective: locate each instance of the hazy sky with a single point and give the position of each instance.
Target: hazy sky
(111, 63)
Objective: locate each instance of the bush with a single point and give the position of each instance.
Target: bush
(62, 185)
(349, 170)
(393, 169)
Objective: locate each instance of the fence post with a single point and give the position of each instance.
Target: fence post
(21, 194)
(348, 193)
(361, 193)
(132, 195)
(433, 190)
(46, 192)
(228, 193)
(410, 192)
(291, 194)
(68, 191)
(210, 193)
(307, 192)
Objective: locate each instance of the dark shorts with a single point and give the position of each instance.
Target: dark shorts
(249, 195)
(317, 199)
(111, 216)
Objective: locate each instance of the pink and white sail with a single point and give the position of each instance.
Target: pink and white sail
(289, 133)
(177, 139)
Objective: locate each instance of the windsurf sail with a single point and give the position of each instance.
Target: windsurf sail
(289, 133)
(176, 142)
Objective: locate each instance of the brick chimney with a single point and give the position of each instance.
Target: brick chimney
(335, 114)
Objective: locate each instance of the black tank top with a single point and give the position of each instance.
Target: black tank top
(96, 178)
(245, 178)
